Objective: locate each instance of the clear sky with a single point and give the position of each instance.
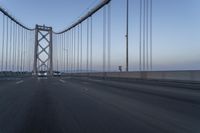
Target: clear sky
(176, 28)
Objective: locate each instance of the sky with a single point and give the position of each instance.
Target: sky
(175, 28)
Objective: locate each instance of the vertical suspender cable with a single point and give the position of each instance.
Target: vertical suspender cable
(60, 51)
(67, 47)
(81, 47)
(78, 48)
(147, 34)
(13, 43)
(72, 50)
(66, 39)
(144, 30)
(109, 36)
(18, 48)
(3, 37)
(24, 52)
(69, 51)
(91, 36)
(6, 44)
(57, 53)
(75, 49)
(29, 50)
(29, 42)
(27, 55)
(87, 45)
(21, 67)
(64, 52)
(151, 65)
(104, 38)
(24, 48)
(10, 47)
(20, 52)
(67, 44)
(23, 33)
(140, 38)
(53, 50)
(127, 39)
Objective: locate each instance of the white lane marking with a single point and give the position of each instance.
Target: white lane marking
(63, 81)
(97, 80)
(41, 78)
(19, 82)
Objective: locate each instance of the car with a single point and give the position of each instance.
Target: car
(56, 74)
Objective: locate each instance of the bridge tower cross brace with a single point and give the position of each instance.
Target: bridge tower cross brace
(43, 61)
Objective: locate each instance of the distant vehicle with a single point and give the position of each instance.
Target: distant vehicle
(56, 74)
(42, 74)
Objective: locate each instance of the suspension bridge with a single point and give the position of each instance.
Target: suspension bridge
(65, 81)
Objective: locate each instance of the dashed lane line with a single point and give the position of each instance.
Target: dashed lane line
(63, 81)
(19, 82)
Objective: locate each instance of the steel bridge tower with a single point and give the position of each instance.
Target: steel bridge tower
(43, 62)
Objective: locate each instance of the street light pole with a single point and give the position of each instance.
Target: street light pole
(127, 33)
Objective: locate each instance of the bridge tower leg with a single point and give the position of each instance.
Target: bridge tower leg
(43, 62)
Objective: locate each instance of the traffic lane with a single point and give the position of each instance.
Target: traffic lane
(131, 91)
(60, 107)
(55, 106)
(173, 92)
(5, 82)
(170, 114)
(14, 103)
(154, 82)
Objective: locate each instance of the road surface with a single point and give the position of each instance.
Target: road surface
(72, 105)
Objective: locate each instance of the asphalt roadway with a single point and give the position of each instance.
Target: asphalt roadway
(72, 105)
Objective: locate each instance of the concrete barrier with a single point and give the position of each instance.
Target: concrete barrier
(14, 74)
(154, 75)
